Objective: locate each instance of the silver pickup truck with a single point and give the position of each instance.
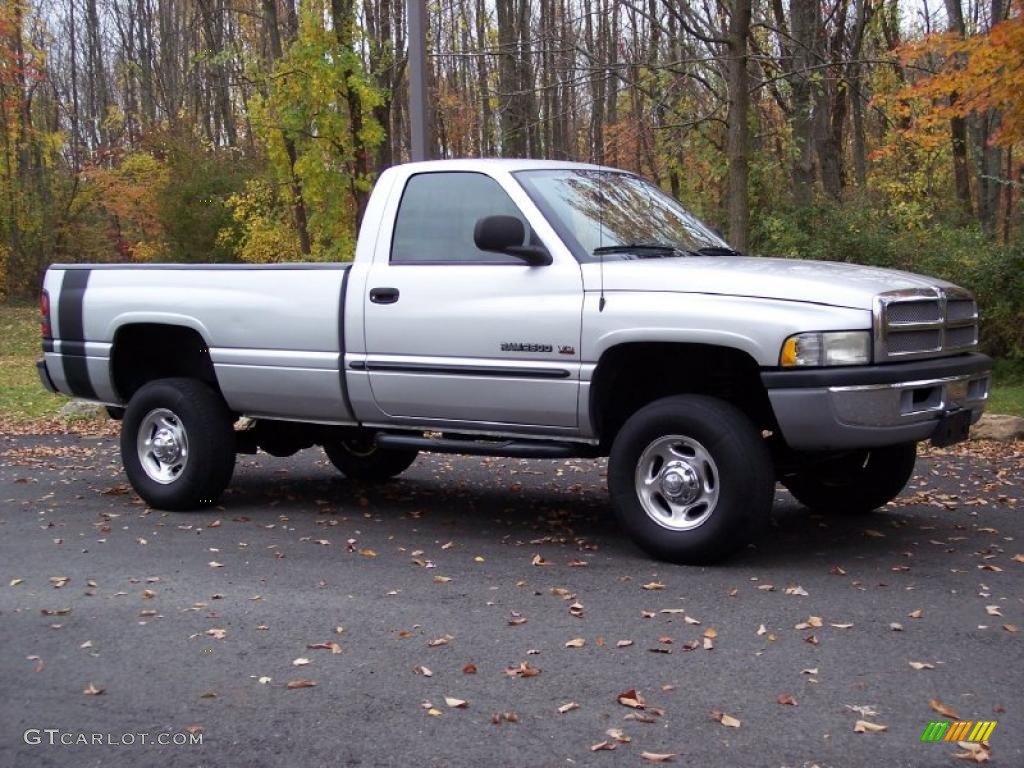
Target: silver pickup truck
(531, 309)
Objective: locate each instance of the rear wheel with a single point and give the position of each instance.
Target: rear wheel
(690, 479)
(857, 482)
(362, 460)
(178, 444)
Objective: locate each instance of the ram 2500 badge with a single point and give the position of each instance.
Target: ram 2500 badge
(531, 309)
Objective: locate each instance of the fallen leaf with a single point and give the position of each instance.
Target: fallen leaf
(978, 753)
(300, 662)
(442, 579)
(798, 591)
(568, 707)
(727, 720)
(993, 610)
(761, 630)
(455, 703)
(423, 671)
(16, 582)
(217, 634)
(917, 614)
(1011, 628)
(469, 669)
(331, 646)
(812, 621)
(444, 640)
(623, 643)
(367, 553)
(863, 726)
(943, 709)
(653, 585)
(92, 690)
(658, 757)
(631, 698)
(59, 581)
(301, 683)
(434, 712)
(921, 665)
(215, 564)
(263, 680)
(895, 626)
(602, 745)
(874, 534)
(785, 698)
(39, 664)
(617, 735)
(538, 560)
(841, 626)
(576, 642)
(193, 729)
(523, 670)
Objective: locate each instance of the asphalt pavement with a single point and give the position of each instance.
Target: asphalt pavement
(488, 612)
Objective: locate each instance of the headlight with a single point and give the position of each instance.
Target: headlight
(826, 348)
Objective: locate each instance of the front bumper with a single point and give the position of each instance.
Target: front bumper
(875, 405)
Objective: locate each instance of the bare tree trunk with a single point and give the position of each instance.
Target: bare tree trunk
(958, 125)
(738, 129)
(804, 24)
(298, 201)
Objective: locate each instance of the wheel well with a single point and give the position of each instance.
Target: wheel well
(144, 352)
(629, 376)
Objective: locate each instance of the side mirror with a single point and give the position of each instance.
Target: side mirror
(505, 234)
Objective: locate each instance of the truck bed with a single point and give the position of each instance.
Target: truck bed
(274, 333)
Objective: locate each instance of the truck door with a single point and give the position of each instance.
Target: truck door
(459, 336)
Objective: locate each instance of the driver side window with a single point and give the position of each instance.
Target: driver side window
(438, 213)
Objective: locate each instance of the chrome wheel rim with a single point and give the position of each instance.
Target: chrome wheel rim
(162, 446)
(677, 482)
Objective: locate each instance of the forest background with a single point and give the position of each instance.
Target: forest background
(884, 132)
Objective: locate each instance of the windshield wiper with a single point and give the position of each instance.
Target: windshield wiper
(715, 250)
(657, 248)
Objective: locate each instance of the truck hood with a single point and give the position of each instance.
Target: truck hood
(819, 282)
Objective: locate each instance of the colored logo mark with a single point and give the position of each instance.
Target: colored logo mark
(958, 730)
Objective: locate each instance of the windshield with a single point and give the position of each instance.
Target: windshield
(611, 212)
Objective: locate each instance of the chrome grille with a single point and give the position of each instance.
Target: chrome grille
(915, 341)
(915, 312)
(924, 322)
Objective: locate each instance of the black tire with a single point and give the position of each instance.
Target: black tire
(361, 460)
(740, 463)
(855, 483)
(210, 441)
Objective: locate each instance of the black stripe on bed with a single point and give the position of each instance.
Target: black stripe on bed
(71, 326)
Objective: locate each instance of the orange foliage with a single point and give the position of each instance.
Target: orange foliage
(978, 74)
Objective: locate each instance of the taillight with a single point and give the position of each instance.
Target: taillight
(44, 315)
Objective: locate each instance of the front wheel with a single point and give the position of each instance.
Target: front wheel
(362, 460)
(855, 483)
(690, 478)
(178, 444)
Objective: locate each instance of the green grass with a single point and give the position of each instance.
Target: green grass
(22, 397)
(1007, 388)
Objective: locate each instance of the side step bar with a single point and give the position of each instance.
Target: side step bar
(521, 449)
